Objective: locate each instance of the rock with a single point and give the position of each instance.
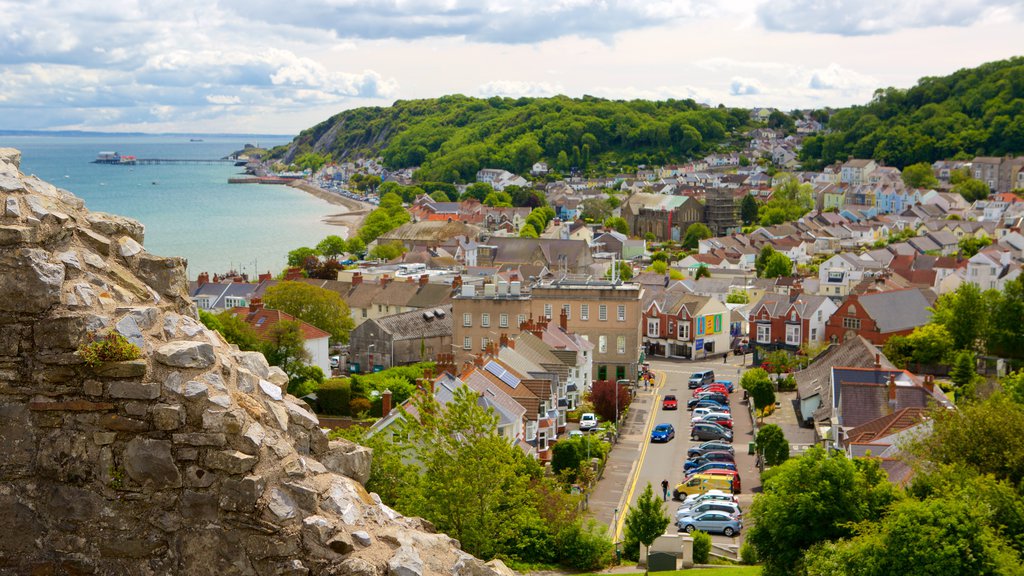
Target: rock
(122, 369)
(200, 439)
(168, 416)
(198, 505)
(357, 567)
(254, 362)
(129, 328)
(350, 459)
(281, 505)
(185, 354)
(252, 439)
(197, 477)
(300, 415)
(277, 376)
(104, 438)
(271, 389)
(134, 390)
(342, 500)
(149, 462)
(112, 225)
(362, 538)
(70, 259)
(405, 562)
(29, 283)
(10, 156)
(231, 461)
(128, 247)
(341, 543)
(123, 423)
(499, 568)
(241, 494)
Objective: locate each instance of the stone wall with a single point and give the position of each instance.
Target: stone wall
(190, 460)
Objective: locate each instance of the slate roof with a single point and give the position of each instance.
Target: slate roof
(864, 394)
(815, 379)
(898, 309)
(414, 324)
(883, 426)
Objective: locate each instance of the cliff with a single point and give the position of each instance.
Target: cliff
(189, 460)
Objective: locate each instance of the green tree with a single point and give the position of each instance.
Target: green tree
(311, 161)
(645, 521)
(233, 328)
(772, 445)
(617, 223)
(737, 297)
(972, 190)
(285, 347)
(702, 272)
(356, 246)
(762, 259)
(658, 267)
(528, 232)
(759, 387)
(1005, 331)
(388, 250)
(1013, 386)
(695, 233)
(748, 210)
(624, 270)
(964, 315)
(595, 210)
(778, 265)
(320, 307)
(440, 196)
(566, 456)
(332, 246)
(498, 200)
(964, 375)
(919, 175)
(813, 499)
(478, 191)
(969, 245)
(301, 256)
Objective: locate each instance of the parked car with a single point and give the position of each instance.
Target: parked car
(718, 522)
(707, 447)
(733, 476)
(663, 433)
(711, 468)
(698, 379)
(728, 507)
(701, 483)
(710, 431)
(720, 418)
(575, 434)
(704, 402)
(727, 383)
(699, 413)
(721, 495)
(716, 396)
(588, 421)
(708, 457)
(335, 361)
(670, 402)
(713, 387)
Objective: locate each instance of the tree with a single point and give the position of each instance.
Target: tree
(440, 196)
(772, 445)
(702, 272)
(778, 265)
(919, 175)
(498, 200)
(388, 250)
(748, 210)
(737, 297)
(812, 499)
(617, 223)
(645, 521)
(284, 346)
(603, 396)
(972, 190)
(969, 245)
(658, 267)
(356, 246)
(478, 191)
(964, 315)
(595, 210)
(759, 387)
(331, 246)
(622, 269)
(528, 232)
(964, 375)
(566, 456)
(300, 256)
(1013, 386)
(762, 259)
(320, 307)
(234, 329)
(694, 234)
(1005, 329)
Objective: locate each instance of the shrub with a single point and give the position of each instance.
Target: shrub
(584, 547)
(701, 547)
(748, 554)
(358, 406)
(112, 347)
(333, 396)
(603, 396)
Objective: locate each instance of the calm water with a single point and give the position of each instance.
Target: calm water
(188, 210)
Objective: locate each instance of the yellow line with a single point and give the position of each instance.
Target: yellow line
(640, 462)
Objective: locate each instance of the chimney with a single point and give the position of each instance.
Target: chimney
(215, 279)
(385, 403)
(563, 320)
(385, 280)
(457, 283)
(409, 280)
(478, 360)
(256, 304)
(929, 383)
(424, 278)
(204, 278)
(878, 361)
(265, 277)
(239, 279)
(504, 340)
(293, 274)
(513, 276)
(892, 392)
(667, 279)
(357, 278)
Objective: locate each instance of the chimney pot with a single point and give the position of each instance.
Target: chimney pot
(424, 278)
(385, 403)
(204, 278)
(357, 278)
(255, 304)
(563, 320)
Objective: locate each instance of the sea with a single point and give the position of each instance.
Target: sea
(189, 210)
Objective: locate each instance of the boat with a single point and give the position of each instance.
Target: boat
(114, 158)
(195, 139)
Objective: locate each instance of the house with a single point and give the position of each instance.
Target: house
(878, 315)
(500, 179)
(992, 268)
(218, 296)
(790, 322)
(620, 245)
(812, 383)
(840, 273)
(855, 172)
(403, 338)
(682, 325)
(570, 256)
(430, 233)
(262, 320)
(664, 217)
(1000, 173)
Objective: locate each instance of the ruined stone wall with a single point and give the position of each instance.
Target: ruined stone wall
(191, 460)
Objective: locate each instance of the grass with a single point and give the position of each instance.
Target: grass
(723, 571)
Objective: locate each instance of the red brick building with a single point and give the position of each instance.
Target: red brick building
(878, 315)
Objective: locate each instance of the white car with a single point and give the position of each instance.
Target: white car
(695, 499)
(699, 413)
(588, 421)
(731, 508)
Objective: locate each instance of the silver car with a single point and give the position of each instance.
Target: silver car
(730, 508)
(718, 522)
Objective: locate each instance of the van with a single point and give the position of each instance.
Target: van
(701, 483)
(698, 379)
(732, 475)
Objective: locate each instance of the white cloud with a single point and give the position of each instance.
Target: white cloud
(223, 99)
(739, 86)
(861, 17)
(835, 77)
(517, 88)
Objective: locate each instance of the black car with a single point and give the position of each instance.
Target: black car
(708, 446)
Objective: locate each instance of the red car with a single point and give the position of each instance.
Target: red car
(720, 419)
(720, 388)
(670, 402)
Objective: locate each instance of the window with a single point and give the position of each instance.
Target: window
(793, 335)
(814, 334)
(620, 372)
(547, 311)
(620, 344)
(602, 344)
(851, 323)
(684, 330)
(364, 312)
(380, 307)
(521, 320)
(819, 315)
(467, 319)
(653, 327)
(764, 333)
(542, 441)
(792, 316)
(503, 320)
(622, 313)
(567, 308)
(602, 312)
(467, 343)
(234, 302)
(483, 343)
(584, 311)
(602, 372)
(485, 320)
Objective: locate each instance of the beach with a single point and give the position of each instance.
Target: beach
(350, 220)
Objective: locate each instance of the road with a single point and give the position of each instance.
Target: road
(665, 461)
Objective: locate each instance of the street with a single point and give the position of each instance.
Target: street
(659, 462)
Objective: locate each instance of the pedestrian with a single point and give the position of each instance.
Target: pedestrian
(725, 357)
(664, 490)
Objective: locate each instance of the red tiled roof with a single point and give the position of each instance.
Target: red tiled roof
(262, 319)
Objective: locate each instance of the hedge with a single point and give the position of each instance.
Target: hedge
(333, 396)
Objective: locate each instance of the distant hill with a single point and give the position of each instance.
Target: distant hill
(454, 136)
(972, 112)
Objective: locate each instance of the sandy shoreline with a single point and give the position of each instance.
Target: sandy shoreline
(351, 219)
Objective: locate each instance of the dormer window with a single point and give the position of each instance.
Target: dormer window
(851, 311)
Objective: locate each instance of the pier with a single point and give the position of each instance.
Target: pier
(182, 161)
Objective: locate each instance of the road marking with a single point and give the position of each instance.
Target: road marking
(624, 504)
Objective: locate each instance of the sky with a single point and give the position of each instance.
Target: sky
(266, 66)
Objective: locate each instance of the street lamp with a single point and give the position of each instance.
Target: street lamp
(369, 355)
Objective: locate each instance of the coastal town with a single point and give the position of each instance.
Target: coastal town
(597, 303)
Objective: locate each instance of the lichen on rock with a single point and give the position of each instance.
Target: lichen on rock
(190, 460)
